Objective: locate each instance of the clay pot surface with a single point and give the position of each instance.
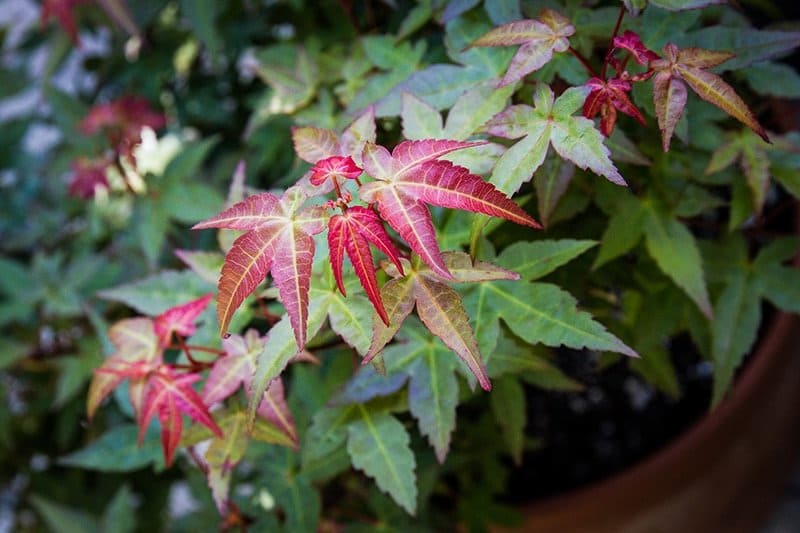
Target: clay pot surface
(723, 474)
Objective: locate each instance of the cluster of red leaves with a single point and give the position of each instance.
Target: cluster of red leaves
(670, 73)
(403, 183)
(166, 391)
(155, 387)
(121, 122)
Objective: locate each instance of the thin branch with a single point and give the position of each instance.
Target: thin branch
(611, 44)
(583, 61)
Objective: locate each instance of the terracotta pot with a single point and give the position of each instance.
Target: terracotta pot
(724, 474)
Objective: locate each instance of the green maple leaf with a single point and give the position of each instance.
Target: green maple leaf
(752, 155)
(744, 283)
(536, 312)
(671, 245)
(377, 443)
(432, 383)
(550, 121)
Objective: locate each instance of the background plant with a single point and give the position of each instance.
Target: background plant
(151, 107)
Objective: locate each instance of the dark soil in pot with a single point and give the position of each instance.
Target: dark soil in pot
(617, 420)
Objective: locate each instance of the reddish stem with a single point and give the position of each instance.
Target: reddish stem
(207, 349)
(185, 349)
(199, 462)
(583, 61)
(611, 44)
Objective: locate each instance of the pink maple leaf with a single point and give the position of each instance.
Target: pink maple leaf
(137, 354)
(334, 168)
(315, 144)
(179, 320)
(278, 241)
(169, 395)
(412, 175)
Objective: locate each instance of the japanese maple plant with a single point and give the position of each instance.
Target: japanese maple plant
(416, 245)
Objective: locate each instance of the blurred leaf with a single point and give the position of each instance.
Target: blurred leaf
(119, 515)
(74, 372)
(62, 519)
(187, 163)
(761, 78)
(508, 406)
(155, 294)
(116, 451)
(11, 351)
(201, 15)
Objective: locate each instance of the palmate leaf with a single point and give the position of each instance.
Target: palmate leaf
(751, 153)
(352, 232)
(236, 369)
(179, 320)
(536, 312)
(681, 67)
(412, 176)
(738, 306)
(550, 121)
(169, 395)
(314, 144)
(470, 111)
(278, 240)
(438, 306)
(671, 245)
(539, 39)
(136, 343)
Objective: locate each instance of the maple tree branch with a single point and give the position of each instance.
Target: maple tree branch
(583, 61)
(207, 349)
(186, 350)
(611, 44)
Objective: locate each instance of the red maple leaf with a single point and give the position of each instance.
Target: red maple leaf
(352, 232)
(179, 320)
(122, 121)
(87, 177)
(606, 97)
(61, 10)
(412, 175)
(169, 394)
(631, 42)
